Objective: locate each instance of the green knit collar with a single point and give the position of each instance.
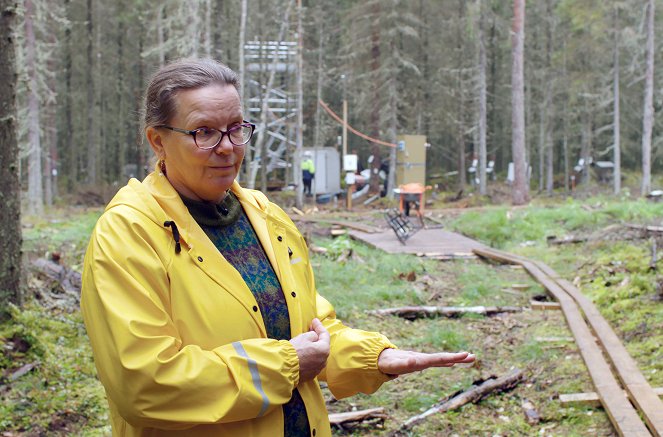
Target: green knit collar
(206, 213)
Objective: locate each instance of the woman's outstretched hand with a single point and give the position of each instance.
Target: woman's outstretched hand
(399, 362)
(312, 350)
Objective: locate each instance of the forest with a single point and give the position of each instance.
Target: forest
(557, 90)
(439, 68)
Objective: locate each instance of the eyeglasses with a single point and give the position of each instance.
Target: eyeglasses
(207, 138)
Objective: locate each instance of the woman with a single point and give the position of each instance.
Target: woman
(198, 295)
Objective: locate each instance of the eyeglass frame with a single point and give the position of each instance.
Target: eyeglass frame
(193, 133)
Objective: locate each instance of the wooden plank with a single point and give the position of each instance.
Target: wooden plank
(330, 221)
(541, 306)
(620, 411)
(553, 339)
(591, 398)
(635, 383)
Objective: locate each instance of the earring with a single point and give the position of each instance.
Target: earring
(162, 166)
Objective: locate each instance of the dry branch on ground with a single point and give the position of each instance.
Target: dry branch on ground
(418, 312)
(475, 394)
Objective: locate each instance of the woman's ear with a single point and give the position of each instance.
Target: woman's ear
(155, 138)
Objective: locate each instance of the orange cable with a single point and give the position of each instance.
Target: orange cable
(351, 129)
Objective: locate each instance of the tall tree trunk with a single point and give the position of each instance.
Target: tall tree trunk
(248, 158)
(586, 146)
(10, 213)
(297, 161)
(392, 103)
(116, 170)
(35, 183)
(207, 32)
(482, 101)
(617, 151)
(648, 113)
(520, 193)
(91, 146)
(374, 181)
(460, 132)
(71, 151)
(142, 148)
(193, 9)
(548, 99)
(320, 79)
(565, 111)
(161, 50)
(51, 131)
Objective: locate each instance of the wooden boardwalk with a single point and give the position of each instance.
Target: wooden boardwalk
(594, 338)
(430, 242)
(612, 369)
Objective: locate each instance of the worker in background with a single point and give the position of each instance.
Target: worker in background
(308, 172)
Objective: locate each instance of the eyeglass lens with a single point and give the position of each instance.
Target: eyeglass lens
(207, 138)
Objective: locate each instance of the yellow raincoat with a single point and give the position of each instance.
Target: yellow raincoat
(178, 338)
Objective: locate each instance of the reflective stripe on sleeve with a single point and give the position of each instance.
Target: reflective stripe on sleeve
(255, 376)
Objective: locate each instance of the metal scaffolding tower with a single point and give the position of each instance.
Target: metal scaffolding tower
(263, 57)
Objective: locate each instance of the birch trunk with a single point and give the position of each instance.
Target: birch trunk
(520, 193)
(648, 113)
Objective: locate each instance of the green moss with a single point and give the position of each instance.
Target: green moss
(61, 386)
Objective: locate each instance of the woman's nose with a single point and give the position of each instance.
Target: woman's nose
(225, 147)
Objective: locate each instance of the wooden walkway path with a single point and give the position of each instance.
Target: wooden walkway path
(430, 242)
(616, 379)
(595, 338)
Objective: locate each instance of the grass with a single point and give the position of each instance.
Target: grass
(61, 395)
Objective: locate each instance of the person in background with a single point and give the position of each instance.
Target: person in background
(308, 172)
(198, 295)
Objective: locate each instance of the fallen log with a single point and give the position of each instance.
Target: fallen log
(565, 240)
(339, 419)
(475, 394)
(419, 312)
(62, 279)
(644, 227)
